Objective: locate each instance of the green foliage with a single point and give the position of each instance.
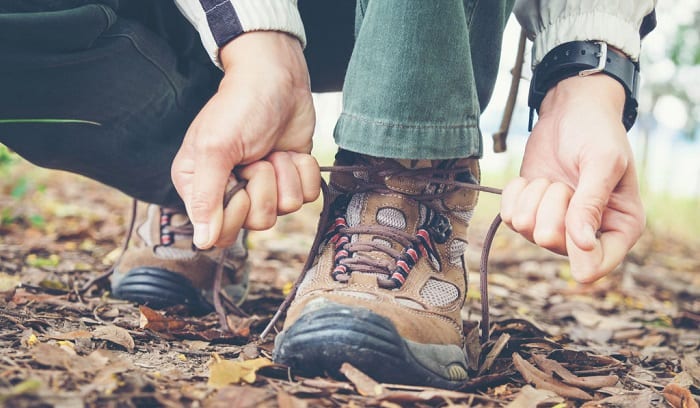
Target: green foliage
(6, 159)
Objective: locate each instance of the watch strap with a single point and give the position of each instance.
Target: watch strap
(585, 58)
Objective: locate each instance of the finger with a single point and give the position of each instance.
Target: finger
(205, 203)
(550, 230)
(262, 191)
(235, 214)
(509, 198)
(289, 194)
(598, 178)
(525, 215)
(309, 174)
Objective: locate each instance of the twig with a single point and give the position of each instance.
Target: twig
(644, 382)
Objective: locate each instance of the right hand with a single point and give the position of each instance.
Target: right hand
(261, 119)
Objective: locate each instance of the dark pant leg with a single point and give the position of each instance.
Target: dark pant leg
(330, 35)
(143, 88)
(126, 78)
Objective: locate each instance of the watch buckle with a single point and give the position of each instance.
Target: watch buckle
(602, 59)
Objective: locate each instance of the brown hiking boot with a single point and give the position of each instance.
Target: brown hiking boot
(163, 269)
(389, 281)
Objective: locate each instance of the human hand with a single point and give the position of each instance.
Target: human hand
(261, 119)
(577, 193)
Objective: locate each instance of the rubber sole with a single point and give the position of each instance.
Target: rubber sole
(319, 342)
(159, 289)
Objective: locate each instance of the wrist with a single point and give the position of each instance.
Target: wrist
(252, 46)
(586, 59)
(598, 89)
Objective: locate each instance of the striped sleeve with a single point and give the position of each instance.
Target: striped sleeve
(220, 21)
(550, 23)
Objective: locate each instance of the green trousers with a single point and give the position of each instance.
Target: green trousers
(420, 74)
(417, 75)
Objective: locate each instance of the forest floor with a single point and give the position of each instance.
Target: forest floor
(629, 340)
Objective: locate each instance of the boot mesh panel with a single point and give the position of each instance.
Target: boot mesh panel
(391, 217)
(456, 250)
(439, 293)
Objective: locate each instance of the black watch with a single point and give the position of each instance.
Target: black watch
(585, 58)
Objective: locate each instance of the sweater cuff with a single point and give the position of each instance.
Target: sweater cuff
(594, 26)
(220, 21)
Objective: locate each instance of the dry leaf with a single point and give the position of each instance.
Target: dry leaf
(225, 372)
(530, 397)
(51, 356)
(473, 348)
(285, 400)
(629, 399)
(592, 382)
(235, 396)
(541, 380)
(679, 397)
(72, 335)
(495, 351)
(116, 335)
(366, 386)
(150, 319)
(691, 366)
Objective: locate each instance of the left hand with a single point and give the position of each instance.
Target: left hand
(578, 193)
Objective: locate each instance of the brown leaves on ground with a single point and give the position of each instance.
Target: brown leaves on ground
(679, 397)
(631, 340)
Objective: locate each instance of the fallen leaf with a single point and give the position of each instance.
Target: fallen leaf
(235, 396)
(365, 385)
(679, 397)
(27, 387)
(473, 348)
(153, 320)
(648, 340)
(116, 335)
(495, 352)
(51, 356)
(591, 382)
(8, 282)
(285, 400)
(72, 335)
(225, 372)
(691, 366)
(530, 397)
(541, 380)
(628, 399)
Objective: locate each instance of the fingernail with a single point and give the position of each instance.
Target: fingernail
(201, 235)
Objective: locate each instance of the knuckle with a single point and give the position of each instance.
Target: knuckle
(546, 238)
(306, 161)
(289, 205)
(522, 224)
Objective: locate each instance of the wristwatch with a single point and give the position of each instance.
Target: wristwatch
(585, 58)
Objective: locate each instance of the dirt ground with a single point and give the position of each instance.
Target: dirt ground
(629, 340)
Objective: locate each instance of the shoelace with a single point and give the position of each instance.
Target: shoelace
(408, 240)
(427, 175)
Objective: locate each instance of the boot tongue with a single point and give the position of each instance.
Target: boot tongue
(404, 184)
(408, 184)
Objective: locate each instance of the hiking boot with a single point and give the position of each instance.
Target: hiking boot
(165, 269)
(387, 285)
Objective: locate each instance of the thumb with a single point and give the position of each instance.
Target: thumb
(205, 203)
(592, 254)
(597, 180)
